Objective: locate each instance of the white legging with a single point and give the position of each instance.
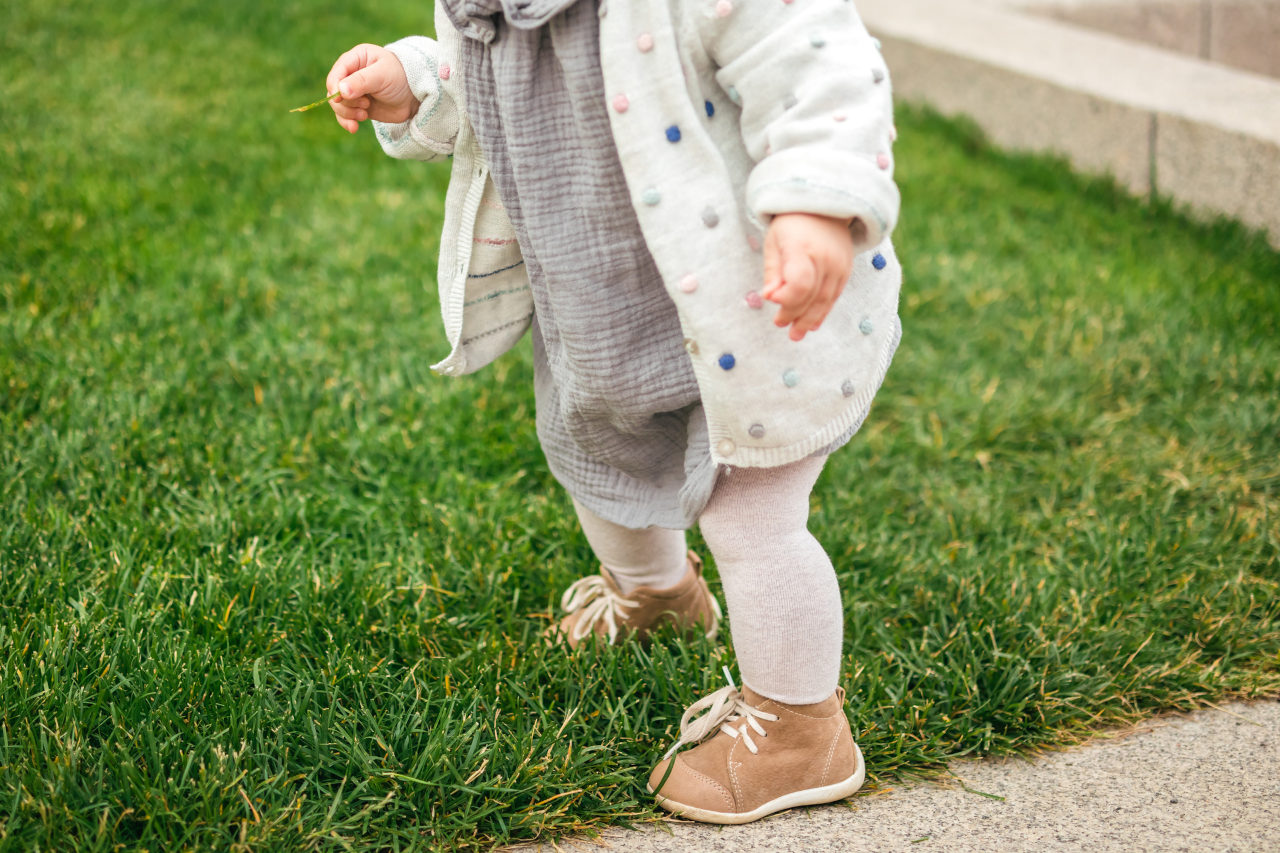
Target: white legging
(783, 598)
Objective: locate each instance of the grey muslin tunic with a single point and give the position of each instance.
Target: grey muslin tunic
(618, 408)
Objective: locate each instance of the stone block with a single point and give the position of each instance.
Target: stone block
(1177, 25)
(1220, 171)
(1026, 112)
(1246, 34)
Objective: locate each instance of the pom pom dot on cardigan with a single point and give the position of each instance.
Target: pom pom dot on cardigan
(651, 197)
(840, 116)
(866, 326)
(754, 242)
(645, 42)
(879, 262)
(877, 76)
(445, 71)
(689, 283)
(709, 217)
(756, 431)
(817, 41)
(754, 300)
(789, 101)
(673, 134)
(711, 109)
(727, 361)
(620, 103)
(882, 160)
(734, 96)
(847, 388)
(691, 346)
(790, 378)
(724, 8)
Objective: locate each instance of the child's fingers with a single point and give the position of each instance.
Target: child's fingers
(350, 113)
(772, 264)
(346, 65)
(816, 312)
(799, 286)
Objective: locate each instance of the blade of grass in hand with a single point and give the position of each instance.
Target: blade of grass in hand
(324, 100)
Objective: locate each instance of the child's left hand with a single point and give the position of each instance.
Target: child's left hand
(807, 260)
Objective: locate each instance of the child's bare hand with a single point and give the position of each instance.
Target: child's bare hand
(807, 260)
(373, 86)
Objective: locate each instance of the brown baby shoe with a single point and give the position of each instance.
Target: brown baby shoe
(594, 606)
(757, 756)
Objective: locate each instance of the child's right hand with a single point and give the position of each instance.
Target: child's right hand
(373, 86)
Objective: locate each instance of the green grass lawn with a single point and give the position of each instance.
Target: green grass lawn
(267, 583)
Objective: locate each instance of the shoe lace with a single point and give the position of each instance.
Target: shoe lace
(721, 711)
(594, 597)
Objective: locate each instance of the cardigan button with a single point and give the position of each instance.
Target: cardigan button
(726, 447)
(691, 346)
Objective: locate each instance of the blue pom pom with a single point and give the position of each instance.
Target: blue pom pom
(727, 361)
(673, 134)
(879, 262)
(711, 109)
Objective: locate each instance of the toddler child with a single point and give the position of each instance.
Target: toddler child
(689, 203)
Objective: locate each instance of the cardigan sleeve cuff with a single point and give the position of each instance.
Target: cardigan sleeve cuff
(841, 185)
(431, 132)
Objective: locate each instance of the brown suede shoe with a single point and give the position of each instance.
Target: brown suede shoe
(594, 606)
(761, 757)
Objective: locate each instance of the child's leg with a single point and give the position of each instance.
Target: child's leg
(783, 597)
(783, 740)
(647, 579)
(654, 556)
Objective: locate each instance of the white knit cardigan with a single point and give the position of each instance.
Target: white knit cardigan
(724, 113)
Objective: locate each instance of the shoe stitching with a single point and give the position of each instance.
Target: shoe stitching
(807, 716)
(733, 778)
(831, 752)
(724, 793)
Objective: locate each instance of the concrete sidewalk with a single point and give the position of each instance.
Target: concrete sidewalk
(1205, 782)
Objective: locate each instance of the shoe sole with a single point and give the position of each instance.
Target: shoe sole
(807, 797)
